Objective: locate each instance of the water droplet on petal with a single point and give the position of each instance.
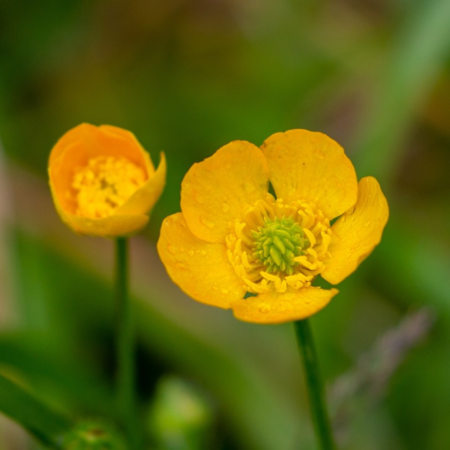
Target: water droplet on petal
(224, 291)
(319, 154)
(207, 223)
(172, 249)
(264, 307)
(191, 252)
(249, 187)
(203, 252)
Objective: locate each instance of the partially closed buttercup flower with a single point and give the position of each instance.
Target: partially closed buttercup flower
(103, 182)
(234, 245)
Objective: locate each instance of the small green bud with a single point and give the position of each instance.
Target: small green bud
(89, 435)
(181, 417)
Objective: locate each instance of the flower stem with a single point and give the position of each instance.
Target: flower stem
(125, 381)
(315, 388)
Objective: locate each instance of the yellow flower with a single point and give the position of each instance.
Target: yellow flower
(103, 182)
(233, 237)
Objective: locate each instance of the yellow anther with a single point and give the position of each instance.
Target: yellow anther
(104, 184)
(277, 246)
(269, 276)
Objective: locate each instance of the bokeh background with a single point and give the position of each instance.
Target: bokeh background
(188, 76)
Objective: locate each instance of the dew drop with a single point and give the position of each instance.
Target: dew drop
(224, 291)
(225, 207)
(207, 223)
(203, 252)
(172, 249)
(319, 154)
(249, 187)
(191, 253)
(264, 307)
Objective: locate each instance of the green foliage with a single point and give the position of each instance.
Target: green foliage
(180, 417)
(187, 80)
(39, 419)
(92, 435)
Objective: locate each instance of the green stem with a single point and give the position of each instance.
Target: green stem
(316, 392)
(35, 416)
(126, 401)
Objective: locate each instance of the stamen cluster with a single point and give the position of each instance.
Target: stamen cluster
(277, 243)
(277, 246)
(104, 184)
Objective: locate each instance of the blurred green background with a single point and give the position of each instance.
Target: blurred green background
(188, 76)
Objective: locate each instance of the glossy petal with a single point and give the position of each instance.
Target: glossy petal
(214, 191)
(145, 197)
(201, 269)
(313, 167)
(357, 232)
(74, 150)
(129, 136)
(92, 141)
(112, 226)
(276, 307)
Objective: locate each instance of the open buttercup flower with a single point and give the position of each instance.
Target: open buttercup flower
(103, 182)
(233, 238)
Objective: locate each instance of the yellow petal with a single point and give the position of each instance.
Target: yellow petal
(275, 307)
(74, 150)
(214, 191)
(201, 269)
(357, 232)
(73, 135)
(143, 200)
(311, 166)
(128, 135)
(91, 141)
(112, 226)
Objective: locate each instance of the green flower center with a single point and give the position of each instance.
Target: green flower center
(277, 243)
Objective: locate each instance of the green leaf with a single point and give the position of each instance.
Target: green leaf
(26, 409)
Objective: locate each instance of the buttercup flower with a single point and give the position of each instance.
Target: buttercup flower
(233, 238)
(103, 182)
